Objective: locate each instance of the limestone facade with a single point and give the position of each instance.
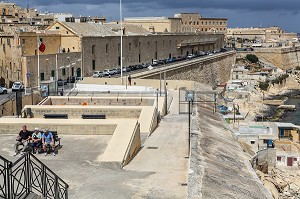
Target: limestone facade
(182, 22)
(208, 72)
(263, 35)
(284, 58)
(193, 22)
(156, 24)
(101, 53)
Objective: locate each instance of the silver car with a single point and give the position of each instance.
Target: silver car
(3, 90)
(17, 86)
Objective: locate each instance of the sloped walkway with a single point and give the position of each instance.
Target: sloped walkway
(164, 154)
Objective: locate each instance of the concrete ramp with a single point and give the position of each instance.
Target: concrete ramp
(123, 146)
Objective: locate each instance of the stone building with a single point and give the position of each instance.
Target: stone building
(13, 14)
(156, 24)
(261, 35)
(76, 49)
(194, 22)
(182, 22)
(99, 53)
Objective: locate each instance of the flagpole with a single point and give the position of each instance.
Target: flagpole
(38, 68)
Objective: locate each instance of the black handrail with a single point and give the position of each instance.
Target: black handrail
(27, 174)
(4, 172)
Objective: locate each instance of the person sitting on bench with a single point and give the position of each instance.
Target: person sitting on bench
(22, 139)
(36, 140)
(48, 141)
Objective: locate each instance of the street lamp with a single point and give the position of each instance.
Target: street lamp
(121, 45)
(190, 98)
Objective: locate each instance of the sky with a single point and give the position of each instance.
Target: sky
(240, 13)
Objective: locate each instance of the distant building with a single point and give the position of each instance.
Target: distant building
(182, 22)
(260, 35)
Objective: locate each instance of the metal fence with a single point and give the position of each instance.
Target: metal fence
(29, 175)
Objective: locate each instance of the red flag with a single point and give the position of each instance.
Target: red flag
(42, 46)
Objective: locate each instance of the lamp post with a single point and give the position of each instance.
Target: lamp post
(190, 98)
(121, 44)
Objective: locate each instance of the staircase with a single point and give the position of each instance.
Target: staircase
(29, 178)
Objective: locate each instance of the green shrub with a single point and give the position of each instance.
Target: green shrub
(252, 58)
(264, 85)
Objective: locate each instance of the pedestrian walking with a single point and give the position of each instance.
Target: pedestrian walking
(129, 80)
(61, 92)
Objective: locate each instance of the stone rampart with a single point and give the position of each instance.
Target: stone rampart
(214, 70)
(284, 58)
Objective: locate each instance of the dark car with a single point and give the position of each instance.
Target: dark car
(61, 82)
(71, 80)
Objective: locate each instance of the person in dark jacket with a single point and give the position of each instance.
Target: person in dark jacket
(22, 139)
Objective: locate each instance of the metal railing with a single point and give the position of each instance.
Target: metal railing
(4, 178)
(29, 175)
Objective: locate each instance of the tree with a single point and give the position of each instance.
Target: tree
(252, 58)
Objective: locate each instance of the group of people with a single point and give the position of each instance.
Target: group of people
(36, 140)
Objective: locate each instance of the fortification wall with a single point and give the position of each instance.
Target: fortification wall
(284, 58)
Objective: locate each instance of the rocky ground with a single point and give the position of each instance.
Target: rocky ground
(283, 183)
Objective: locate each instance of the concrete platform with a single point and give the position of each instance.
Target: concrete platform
(78, 163)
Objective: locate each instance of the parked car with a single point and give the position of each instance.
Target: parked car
(108, 72)
(118, 70)
(98, 74)
(79, 78)
(126, 69)
(61, 82)
(3, 90)
(17, 86)
(71, 79)
(190, 56)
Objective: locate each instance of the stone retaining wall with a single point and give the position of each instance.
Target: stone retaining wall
(217, 70)
(284, 58)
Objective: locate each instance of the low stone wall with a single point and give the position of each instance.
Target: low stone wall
(62, 126)
(77, 111)
(123, 146)
(8, 107)
(102, 101)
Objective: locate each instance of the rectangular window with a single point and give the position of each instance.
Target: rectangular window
(106, 48)
(57, 27)
(42, 76)
(252, 142)
(63, 72)
(23, 41)
(278, 158)
(265, 141)
(52, 73)
(8, 41)
(93, 64)
(93, 49)
(139, 47)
